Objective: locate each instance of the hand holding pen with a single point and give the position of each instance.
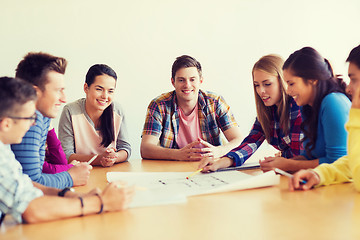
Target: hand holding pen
(310, 177)
(206, 165)
(106, 159)
(213, 164)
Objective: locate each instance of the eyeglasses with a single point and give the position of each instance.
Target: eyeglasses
(33, 118)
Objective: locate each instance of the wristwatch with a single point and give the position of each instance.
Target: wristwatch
(64, 191)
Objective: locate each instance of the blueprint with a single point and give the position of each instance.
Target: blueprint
(175, 186)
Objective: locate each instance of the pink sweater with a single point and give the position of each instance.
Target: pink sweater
(55, 159)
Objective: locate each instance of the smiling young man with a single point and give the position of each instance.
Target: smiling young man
(46, 73)
(28, 201)
(185, 124)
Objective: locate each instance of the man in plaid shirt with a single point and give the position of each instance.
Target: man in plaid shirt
(185, 124)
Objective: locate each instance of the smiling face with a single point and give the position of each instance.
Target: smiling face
(303, 93)
(354, 75)
(51, 98)
(99, 94)
(187, 84)
(267, 87)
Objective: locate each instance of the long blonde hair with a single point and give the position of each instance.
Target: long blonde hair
(272, 64)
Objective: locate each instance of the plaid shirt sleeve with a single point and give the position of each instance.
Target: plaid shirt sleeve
(225, 117)
(295, 134)
(16, 188)
(153, 121)
(249, 145)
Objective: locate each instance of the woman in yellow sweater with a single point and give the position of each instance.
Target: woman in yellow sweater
(347, 168)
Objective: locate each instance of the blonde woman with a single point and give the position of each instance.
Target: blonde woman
(278, 118)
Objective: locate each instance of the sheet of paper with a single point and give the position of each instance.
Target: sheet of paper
(263, 180)
(175, 183)
(147, 197)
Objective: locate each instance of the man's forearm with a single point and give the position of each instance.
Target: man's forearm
(42, 209)
(157, 152)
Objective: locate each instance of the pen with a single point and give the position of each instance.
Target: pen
(92, 159)
(194, 173)
(277, 170)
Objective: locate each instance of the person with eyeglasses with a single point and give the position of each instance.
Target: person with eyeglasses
(32, 119)
(30, 202)
(46, 73)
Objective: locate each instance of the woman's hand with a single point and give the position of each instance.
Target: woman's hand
(269, 163)
(212, 164)
(108, 158)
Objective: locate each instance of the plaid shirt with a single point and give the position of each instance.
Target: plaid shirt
(289, 145)
(162, 118)
(16, 188)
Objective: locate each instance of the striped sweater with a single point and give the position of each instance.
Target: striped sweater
(31, 155)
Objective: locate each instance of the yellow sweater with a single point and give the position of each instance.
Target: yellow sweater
(347, 168)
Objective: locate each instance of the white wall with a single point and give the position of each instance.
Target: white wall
(140, 39)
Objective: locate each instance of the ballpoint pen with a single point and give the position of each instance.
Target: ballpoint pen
(277, 170)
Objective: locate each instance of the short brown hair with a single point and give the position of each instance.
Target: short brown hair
(185, 61)
(35, 66)
(13, 94)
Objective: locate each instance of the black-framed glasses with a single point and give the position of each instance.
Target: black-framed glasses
(32, 118)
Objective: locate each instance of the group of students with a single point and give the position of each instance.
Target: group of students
(302, 108)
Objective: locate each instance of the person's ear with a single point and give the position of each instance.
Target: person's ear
(38, 91)
(5, 124)
(314, 82)
(173, 82)
(86, 88)
(201, 80)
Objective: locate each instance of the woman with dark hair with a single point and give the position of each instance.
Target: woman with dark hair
(95, 124)
(325, 109)
(346, 169)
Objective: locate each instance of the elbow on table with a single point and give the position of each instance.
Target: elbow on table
(32, 216)
(38, 210)
(144, 151)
